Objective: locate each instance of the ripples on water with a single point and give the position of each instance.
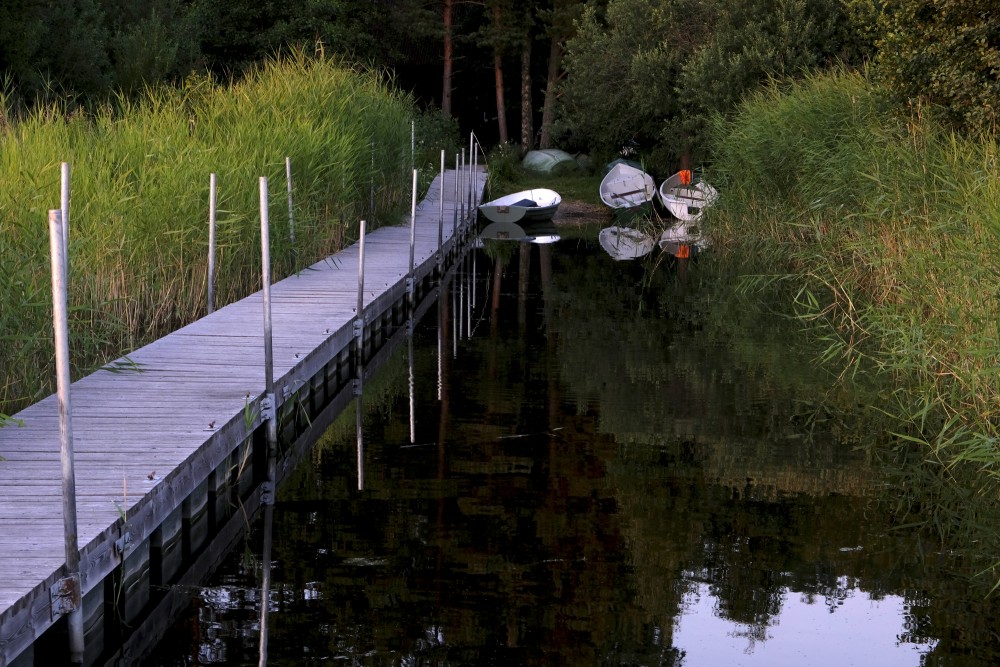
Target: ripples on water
(616, 469)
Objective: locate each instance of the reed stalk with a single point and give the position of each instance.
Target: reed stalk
(139, 236)
(881, 229)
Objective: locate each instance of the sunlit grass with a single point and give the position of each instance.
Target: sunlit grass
(139, 211)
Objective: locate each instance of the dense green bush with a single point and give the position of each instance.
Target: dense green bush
(944, 54)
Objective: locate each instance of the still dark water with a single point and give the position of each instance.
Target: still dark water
(617, 467)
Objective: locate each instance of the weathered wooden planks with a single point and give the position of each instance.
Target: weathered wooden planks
(147, 434)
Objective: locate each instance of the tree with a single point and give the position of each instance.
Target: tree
(527, 107)
(751, 42)
(945, 53)
(621, 68)
(150, 41)
(559, 22)
(448, 19)
(56, 46)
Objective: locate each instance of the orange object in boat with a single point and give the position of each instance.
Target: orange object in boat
(685, 176)
(683, 251)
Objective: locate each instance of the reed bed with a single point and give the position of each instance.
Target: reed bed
(139, 202)
(882, 230)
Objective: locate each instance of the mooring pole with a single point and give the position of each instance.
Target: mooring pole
(269, 408)
(211, 242)
(413, 144)
(359, 337)
(468, 316)
(265, 584)
(265, 250)
(371, 185)
(461, 186)
(441, 219)
(65, 595)
(454, 218)
(293, 256)
(454, 321)
(461, 297)
(411, 383)
(64, 207)
(359, 319)
(411, 288)
(469, 186)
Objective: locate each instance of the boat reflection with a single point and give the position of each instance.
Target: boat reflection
(539, 232)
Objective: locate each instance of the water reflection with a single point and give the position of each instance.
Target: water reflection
(619, 469)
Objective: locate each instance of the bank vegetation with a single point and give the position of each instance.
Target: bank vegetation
(138, 241)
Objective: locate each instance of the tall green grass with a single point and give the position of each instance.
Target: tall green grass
(881, 230)
(139, 207)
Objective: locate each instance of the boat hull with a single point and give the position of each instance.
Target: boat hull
(624, 243)
(625, 186)
(686, 202)
(534, 205)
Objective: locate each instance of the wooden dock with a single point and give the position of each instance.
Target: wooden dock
(163, 439)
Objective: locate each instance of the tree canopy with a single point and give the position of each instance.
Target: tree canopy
(945, 53)
(610, 73)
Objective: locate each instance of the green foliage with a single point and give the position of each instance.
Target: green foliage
(434, 133)
(54, 48)
(945, 53)
(238, 33)
(140, 175)
(620, 72)
(883, 232)
(752, 42)
(504, 166)
(654, 73)
(151, 43)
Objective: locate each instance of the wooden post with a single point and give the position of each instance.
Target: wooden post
(469, 186)
(211, 242)
(441, 218)
(413, 404)
(461, 187)
(69, 587)
(64, 207)
(269, 408)
(269, 411)
(410, 287)
(293, 256)
(359, 312)
(358, 426)
(454, 218)
(359, 347)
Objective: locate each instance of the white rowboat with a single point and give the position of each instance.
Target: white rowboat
(625, 242)
(686, 201)
(624, 186)
(527, 205)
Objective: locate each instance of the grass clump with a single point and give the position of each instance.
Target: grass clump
(139, 208)
(882, 230)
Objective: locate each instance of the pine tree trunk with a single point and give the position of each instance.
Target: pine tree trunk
(448, 60)
(498, 74)
(552, 80)
(527, 122)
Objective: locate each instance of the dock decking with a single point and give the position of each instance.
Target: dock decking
(147, 437)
